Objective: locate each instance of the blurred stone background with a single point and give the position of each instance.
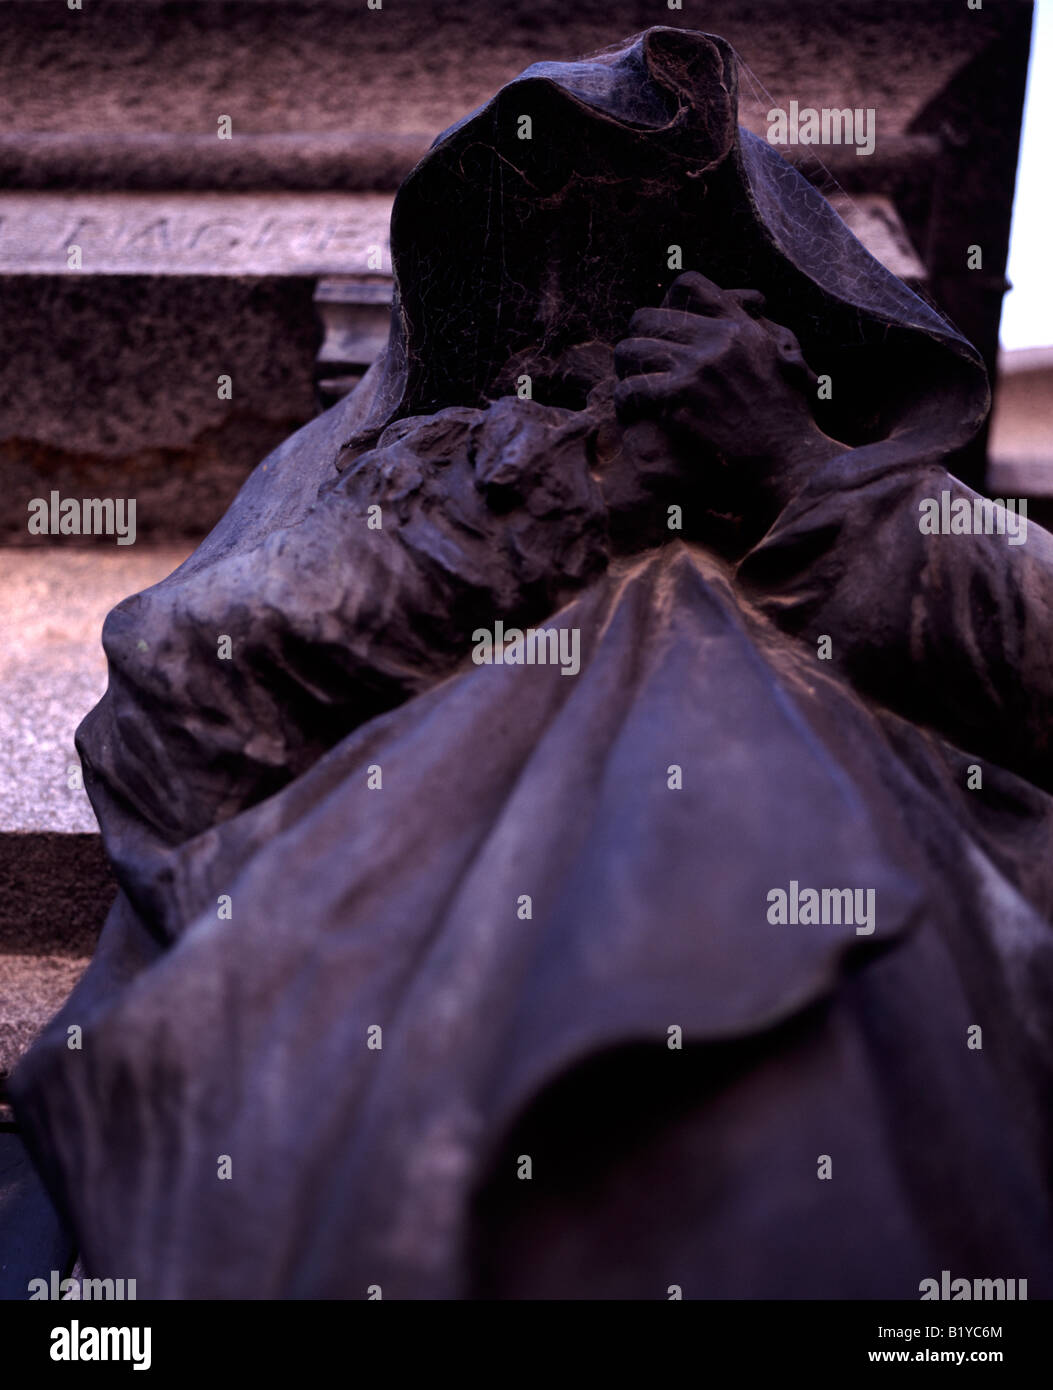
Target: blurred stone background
(265, 258)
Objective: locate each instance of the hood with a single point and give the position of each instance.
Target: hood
(545, 219)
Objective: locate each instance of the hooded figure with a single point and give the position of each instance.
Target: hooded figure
(580, 833)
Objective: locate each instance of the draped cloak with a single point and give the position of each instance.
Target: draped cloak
(392, 922)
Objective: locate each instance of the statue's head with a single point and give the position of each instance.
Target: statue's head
(549, 215)
(582, 190)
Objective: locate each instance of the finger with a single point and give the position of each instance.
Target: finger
(636, 396)
(693, 333)
(695, 294)
(674, 325)
(636, 356)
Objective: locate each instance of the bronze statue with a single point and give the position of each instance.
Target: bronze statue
(720, 965)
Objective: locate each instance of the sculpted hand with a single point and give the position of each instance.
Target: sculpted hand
(715, 377)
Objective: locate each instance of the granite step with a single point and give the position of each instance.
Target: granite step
(55, 883)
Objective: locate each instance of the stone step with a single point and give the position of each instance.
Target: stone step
(55, 882)
(128, 161)
(53, 670)
(182, 348)
(111, 388)
(198, 331)
(32, 990)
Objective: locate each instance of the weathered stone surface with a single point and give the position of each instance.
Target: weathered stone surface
(52, 670)
(247, 234)
(56, 885)
(57, 888)
(284, 67)
(112, 389)
(159, 160)
(32, 990)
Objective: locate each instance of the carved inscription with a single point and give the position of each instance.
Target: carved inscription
(194, 234)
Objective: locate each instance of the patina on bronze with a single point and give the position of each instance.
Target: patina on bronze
(527, 889)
